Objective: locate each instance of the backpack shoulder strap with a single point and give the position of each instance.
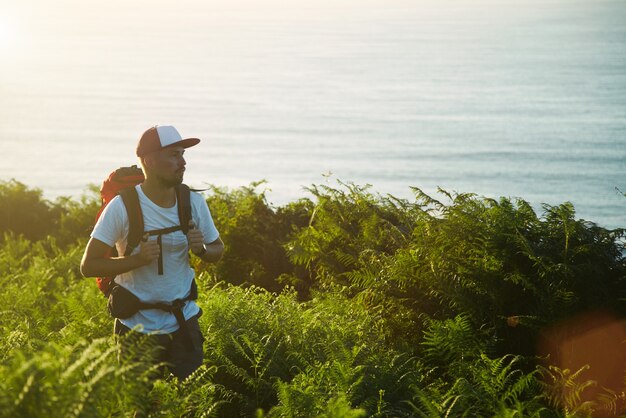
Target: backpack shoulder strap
(183, 195)
(135, 218)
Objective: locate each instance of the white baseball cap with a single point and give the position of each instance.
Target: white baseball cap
(159, 137)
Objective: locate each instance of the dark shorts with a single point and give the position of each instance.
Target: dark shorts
(170, 349)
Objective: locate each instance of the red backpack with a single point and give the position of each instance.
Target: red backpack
(122, 182)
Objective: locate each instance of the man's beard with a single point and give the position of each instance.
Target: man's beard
(170, 182)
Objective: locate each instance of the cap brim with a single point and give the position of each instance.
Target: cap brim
(185, 143)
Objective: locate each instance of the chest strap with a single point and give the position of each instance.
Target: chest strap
(159, 233)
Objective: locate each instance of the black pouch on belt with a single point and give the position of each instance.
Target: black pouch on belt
(122, 302)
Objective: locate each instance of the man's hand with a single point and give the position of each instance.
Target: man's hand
(148, 249)
(98, 262)
(195, 240)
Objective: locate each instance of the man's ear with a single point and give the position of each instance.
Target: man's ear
(146, 162)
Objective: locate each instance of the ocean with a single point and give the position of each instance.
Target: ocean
(522, 99)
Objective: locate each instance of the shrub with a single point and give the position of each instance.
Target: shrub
(254, 234)
(23, 211)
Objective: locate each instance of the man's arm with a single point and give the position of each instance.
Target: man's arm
(208, 252)
(96, 261)
(212, 252)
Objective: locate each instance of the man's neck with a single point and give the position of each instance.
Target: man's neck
(159, 194)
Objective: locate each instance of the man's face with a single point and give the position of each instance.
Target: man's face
(168, 165)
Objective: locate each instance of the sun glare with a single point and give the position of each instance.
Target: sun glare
(8, 34)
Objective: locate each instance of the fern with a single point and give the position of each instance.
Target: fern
(565, 390)
(399, 308)
(452, 341)
(56, 382)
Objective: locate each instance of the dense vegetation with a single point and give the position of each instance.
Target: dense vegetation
(348, 304)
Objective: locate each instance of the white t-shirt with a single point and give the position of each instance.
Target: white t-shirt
(145, 282)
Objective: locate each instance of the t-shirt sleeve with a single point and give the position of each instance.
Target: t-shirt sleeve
(110, 227)
(203, 219)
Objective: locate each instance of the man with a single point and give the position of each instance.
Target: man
(158, 270)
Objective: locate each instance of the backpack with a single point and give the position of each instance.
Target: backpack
(122, 182)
